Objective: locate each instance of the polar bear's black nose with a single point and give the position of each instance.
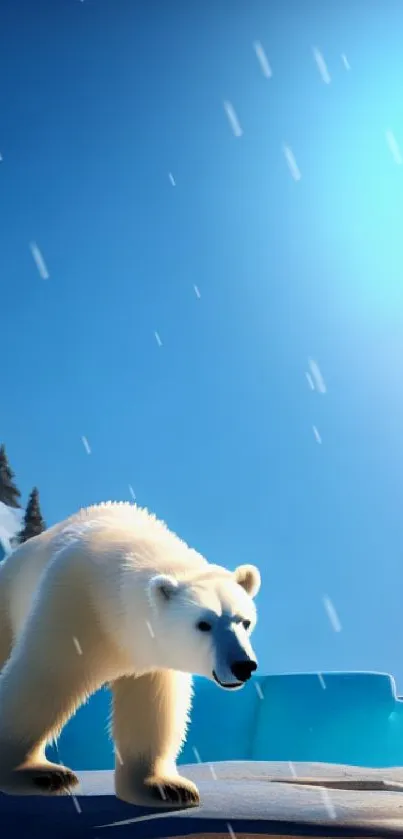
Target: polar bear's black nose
(242, 670)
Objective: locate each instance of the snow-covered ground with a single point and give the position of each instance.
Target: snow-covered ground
(10, 524)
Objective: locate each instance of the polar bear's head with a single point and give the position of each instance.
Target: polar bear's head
(203, 625)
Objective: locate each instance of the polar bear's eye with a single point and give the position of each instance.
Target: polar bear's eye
(204, 626)
(246, 624)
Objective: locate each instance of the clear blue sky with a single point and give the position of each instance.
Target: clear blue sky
(99, 101)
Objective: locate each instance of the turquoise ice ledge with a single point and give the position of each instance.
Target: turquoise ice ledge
(353, 718)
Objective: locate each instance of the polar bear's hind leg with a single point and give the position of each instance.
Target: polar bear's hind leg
(42, 684)
(33, 707)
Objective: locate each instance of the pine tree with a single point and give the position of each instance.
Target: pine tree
(33, 521)
(9, 494)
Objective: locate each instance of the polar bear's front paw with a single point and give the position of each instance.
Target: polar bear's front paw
(173, 792)
(156, 790)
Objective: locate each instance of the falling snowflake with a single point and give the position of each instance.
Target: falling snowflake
(196, 291)
(262, 59)
(150, 629)
(162, 792)
(158, 339)
(172, 179)
(76, 803)
(233, 119)
(316, 434)
(321, 65)
(131, 490)
(231, 831)
(345, 61)
(292, 163)
(118, 755)
(332, 614)
(394, 148)
(258, 690)
(331, 812)
(39, 261)
(75, 800)
(292, 769)
(86, 445)
(317, 377)
(309, 380)
(322, 681)
(199, 760)
(77, 645)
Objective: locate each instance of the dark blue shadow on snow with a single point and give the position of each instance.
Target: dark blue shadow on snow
(102, 815)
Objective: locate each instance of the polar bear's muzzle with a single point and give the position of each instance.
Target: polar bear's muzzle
(226, 685)
(242, 670)
(235, 660)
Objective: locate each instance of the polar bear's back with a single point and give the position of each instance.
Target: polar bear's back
(111, 531)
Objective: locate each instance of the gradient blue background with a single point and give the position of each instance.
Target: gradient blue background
(99, 101)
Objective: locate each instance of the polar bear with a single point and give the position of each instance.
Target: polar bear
(112, 596)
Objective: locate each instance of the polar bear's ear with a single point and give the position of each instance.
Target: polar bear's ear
(248, 576)
(162, 587)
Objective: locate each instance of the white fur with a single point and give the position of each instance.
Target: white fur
(112, 595)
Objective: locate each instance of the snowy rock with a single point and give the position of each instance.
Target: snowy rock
(10, 525)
